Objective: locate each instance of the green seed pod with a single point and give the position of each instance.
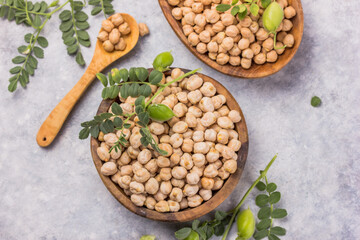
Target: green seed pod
(148, 237)
(193, 236)
(163, 61)
(272, 17)
(160, 112)
(245, 224)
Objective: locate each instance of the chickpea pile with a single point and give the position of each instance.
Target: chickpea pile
(227, 39)
(111, 33)
(201, 142)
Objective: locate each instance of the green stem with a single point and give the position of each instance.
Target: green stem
(74, 26)
(237, 208)
(102, 8)
(271, 207)
(276, 48)
(20, 9)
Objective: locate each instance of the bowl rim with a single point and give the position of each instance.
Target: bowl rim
(255, 71)
(190, 213)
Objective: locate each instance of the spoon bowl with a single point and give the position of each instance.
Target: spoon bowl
(101, 59)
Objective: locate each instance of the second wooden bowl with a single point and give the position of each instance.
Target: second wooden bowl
(189, 213)
(255, 71)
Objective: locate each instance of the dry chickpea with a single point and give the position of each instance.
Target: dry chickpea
(208, 119)
(234, 116)
(108, 169)
(124, 182)
(254, 27)
(198, 136)
(199, 126)
(180, 127)
(246, 22)
(232, 31)
(110, 139)
(177, 182)
(182, 97)
(166, 147)
(205, 194)
(205, 37)
(225, 122)
(271, 56)
(217, 101)
(194, 201)
(289, 12)
(256, 48)
(200, 20)
(230, 166)
(136, 166)
(159, 196)
(234, 60)
(138, 199)
(195, 111)
(287, 25)
(141, 175)
(124, 28)
(206, 105)
(165, 139)
(210, 171)
(207, 183)
(162, 206)
(176, 140)
(215, 127)
(227, 19)
(136, 187)
(188, 145)
(247, 53)
(201, 48)
(190, 119)
(190, 190)
(176, 194)
(193, 39)
(177, 13)
(198, 159)
(234, 144)
(174, 159)
(107, 25)
(289, 40)
(198, 29)
(180, 109)
(126, 170)
(212, 16)
(223, 174)
(227, 152)
(198, 170)
(144, 156)
(186, 161)
(197, 7)
(163, 162)
(115, 154)
(151, 166)
(173, 2)
(262, 34)
(103, 153)
(150, 203)
(173, 206)
(201, 147)
(194, 82)
(218, 164)
(245, 63)
(268, 44)
(179, 172)
(210, 135)
(219, 38)
(188, 29)
(280, 48)
(121, 45)
(143, 29)
(192, 178)
(235, 51)
(260, 58)
(135, 140)
(208, 89)
(194, 97)
(184, 203)
(189, 18)
(103, 36)
(245, 32)
(218, 183)
(223, 136)
(244, 43)
(280, 36)
(166, 187)
(227, 43)
(114, 36)
(115, 178)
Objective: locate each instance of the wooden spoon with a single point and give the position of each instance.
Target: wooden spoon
(101, 59)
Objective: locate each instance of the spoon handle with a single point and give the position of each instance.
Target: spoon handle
(53, 123)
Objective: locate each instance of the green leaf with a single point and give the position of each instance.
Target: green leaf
(32, 61)
(261, 200)
(273, 237)
(67, 34)
(235, 10)
(69, 41)
(72, 49)
(114, 91)
(39, 53)
(271, 187)
(65, 15)
(123, 92)
(96, 10)
(12, 86)
(274, 197)
(116, 109)
(144, 118)
(279, 213)
(261, 186)
(124, 74)
(81, 16)
(18, 59)
(140, 101)
(183, 233)
(234, 2)
(132, 75)
(315, 101)
(254, 9)
(11, 15)
(25, 75)
(80, 59)
(84, 133)
(264, 213)
(195, 224)
(54, 3)
(15, 70)
(83, 35)
(141, 74)
(118, 122)
(107, 126)
(102, 79)
(94, 2)
(219, 230)
(261, 234)
(223, 7)
(44, 6)
(127, 125)
(278, 231)
(3, 11)
(82, 25)
(28, 37)
(145, 90)
(220, 215)
(265, 3)
(85, 43)
(29, 69)
(94, 131)
(37, 7)
(37, 21)
(65, 26)
(155, 77)
(43, 42)
(263, 224)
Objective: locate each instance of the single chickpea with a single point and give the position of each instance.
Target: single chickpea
(222, 58)
(232, 31)
(208, 89)
(234, 144)
(225, 122)
(233, 134)
(200, 20)
(108, 169)
(204, 36)
(268, 44)
(124, 182)
(201, 147)
(193, 39)
(210, 135)
(287, 25)
(227, 152)
(210, 171)
(208, 27)
(219, 38)
(230, 166)
(234, 116)
(188, 145)
(194, 96)
(198, 136)
(247, 53)
(195, 111)
(103, 36)
(136, 187)
(165, 174)
(176, 140)
(234, 60)
(271, 56)
(103, 153)
(166, 187)
(194, 201)
(110, 139)
(188, 29)
(150, 203)
(174, 159)
(223, 136)
(180, 127)
(180, 109)
(245, 63)
(280, 36)
(223, 174)
(208, 119)
(107, 25)
(166, 147)
(141, 175)
(138, 199)
(215, 127)
(289, 12)
(144, 156)
(177, 182)
(207, 183)
(260, 58)
(217, 101)
(227, 19)
(173, 206)
(163, 162)
(190, 119)
(244, 43)
(198, 170)
(115, 178)
(262, 34)
(201, 48)
(151, 166)
(256, 48)
(177, 13)
(254, 27)
(124, 28)
(162, 206)
(212, 16)
(245, 32)
(194, 83)
(173, 2)
(190, 190)
(289, 40)
(205, 194)
(197, 7)
(235, 51)
(176, 194)
(280, 48)
(182, 97)
(246, 22)
(186, 161)
(198, 29)
(199, 126)
(126, 170)
(227, 43)
(179, 172)
(115, 154)
(114, 36)
(189, 18)
(184, 203)
(192, 178)
(206, 104)
(186, 10)
(121, 45)
(165, 139)
(143, 29)
(159, 196)
(218, 183)
(198, 159)
(218, 164)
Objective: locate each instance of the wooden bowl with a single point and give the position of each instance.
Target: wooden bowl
(189, 213)
(255, 71)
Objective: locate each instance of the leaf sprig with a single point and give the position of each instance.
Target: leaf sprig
(104, 6)
(241, 9)
(125, 83)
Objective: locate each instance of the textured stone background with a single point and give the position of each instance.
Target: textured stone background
(56, 193)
